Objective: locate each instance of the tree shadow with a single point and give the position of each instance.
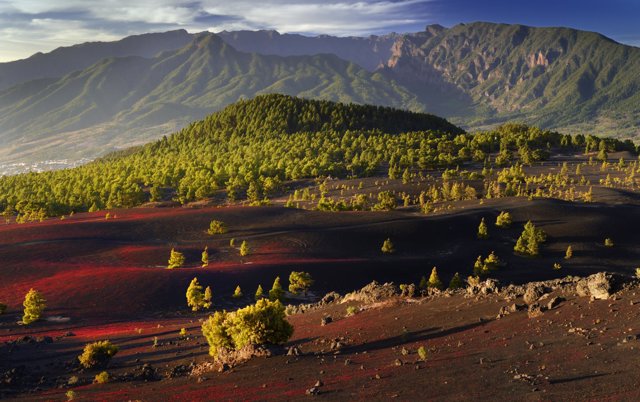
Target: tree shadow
(409, 337)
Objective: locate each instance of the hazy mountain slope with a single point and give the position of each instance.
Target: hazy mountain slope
(370, 52)
(119, 102)
(64, 60)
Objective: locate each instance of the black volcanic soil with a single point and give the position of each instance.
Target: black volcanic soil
(106, 279)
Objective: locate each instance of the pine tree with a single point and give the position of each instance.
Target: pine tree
(244, 249)
(34, 304)
(259, 293)
(205, 257)
(424, 284)
(299, 282)
(608, 242)
(208, 298)
(195, 297)
(483, 232)
(387, 247)
(529, 241)
(569, 253)
(176, 259)
(237, 293)
(456, 282)
(434, 280)
(503, 220)
(276, 292)
(478, 267)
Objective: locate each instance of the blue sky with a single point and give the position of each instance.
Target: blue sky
(29, 26)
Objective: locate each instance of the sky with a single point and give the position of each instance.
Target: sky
(30, 26)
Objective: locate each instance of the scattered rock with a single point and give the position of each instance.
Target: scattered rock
(554, 302)
(489, 286)
(294, 351)
(313, 391)
(535, 310)
(597, 286)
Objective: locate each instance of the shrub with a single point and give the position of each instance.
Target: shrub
(569, 253)
(196, 298)
(504, 220)
(299, 282)
(183, 332)
(97, 354)
(638, 272)
(386, 201)
(244, 249)
(387, 247)
(483, 232)
(422, 353)
(276, 293)
(176, 259)
(351, 310)
(557, 266)
(529, 241)
(258, 324)
(217, 227)
(101, 378)
(34, 305)
(156, 342)
(608, 242)
(237, 293)
(71, 395)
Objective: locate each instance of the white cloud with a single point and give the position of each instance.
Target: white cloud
(28, 26)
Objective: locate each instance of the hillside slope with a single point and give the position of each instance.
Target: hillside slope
(480, 74)
(119, 102)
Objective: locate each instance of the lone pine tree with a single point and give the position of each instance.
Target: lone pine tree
(34, 304)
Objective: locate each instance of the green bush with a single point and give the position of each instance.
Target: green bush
(608, 242)
(34, 305)
(217, 227)
(101, 378)
(387, 247)
(504, 220)
(351, 310)
(97, 354)
(258, 324)
(422, 353)
(176, 259)
(71, 395)
(299, 282)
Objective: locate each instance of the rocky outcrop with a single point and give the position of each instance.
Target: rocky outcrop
(597, 286)
(372, 293)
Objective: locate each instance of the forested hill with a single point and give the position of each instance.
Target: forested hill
(246, 150)
(287, 114)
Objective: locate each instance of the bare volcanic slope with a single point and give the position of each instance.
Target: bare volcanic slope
(86, 265)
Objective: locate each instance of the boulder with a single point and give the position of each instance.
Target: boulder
(533, 293)
(598, 286)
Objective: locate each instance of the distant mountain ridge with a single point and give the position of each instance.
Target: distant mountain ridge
(119, 102)
(89, 99)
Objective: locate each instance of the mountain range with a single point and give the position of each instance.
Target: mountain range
(86, 100)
